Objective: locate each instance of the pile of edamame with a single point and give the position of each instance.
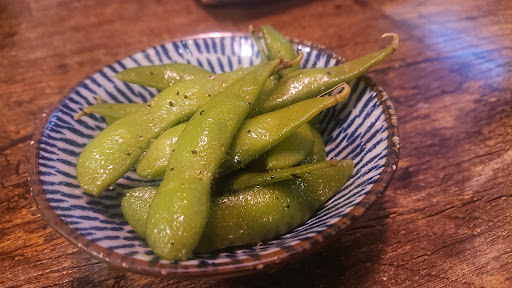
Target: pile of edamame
(240, 159)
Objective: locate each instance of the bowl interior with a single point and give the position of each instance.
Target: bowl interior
(357, 129)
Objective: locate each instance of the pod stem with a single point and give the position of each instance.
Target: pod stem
(83, 112)
(291, 63)
(343, 95)
(80, 115)
(395, 41)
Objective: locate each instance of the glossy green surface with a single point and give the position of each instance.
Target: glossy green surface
(179, 211)
(135, 205)
(271, 128)
(291, 150)
(249, 178)
(255, 213)
(263, 212)
(317, 153)
(115, 150)
(161, 76)
(255, 136)
(278, 46)
(154, 161)
(307, 83)
(111, 111)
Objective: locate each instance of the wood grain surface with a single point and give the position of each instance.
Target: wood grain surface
(446, 219)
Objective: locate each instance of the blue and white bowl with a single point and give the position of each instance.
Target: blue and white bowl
(363, 129)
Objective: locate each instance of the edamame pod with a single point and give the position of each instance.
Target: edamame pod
(256, 137)
(291, 150)
(250, 178)
(307, 83)
(317, 153)
(271, 128)
(114, 151)
(161, 76)
(110, 111)
(178, 213)
(278, 46)
(153, 162)
(315, 122)
(255, 213)
(135, 205)
(263, 212)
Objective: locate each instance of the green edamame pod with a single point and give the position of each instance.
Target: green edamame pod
(307, 83)
(278, 46)
(256, 138)
(249, 178)
(161, 76)
(109, 120)
(110, 111)
(152, 164)
(178, 213)
(255, 213)
(315, 122)
(135, 205)
(291, 150)
(264, 212)
(154, 161)
(317, 153)
(273, 127)
(116, 140)
(115, 150)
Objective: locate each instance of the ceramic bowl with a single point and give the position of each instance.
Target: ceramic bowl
(363, 129)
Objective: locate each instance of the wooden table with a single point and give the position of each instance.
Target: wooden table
(446, 219)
